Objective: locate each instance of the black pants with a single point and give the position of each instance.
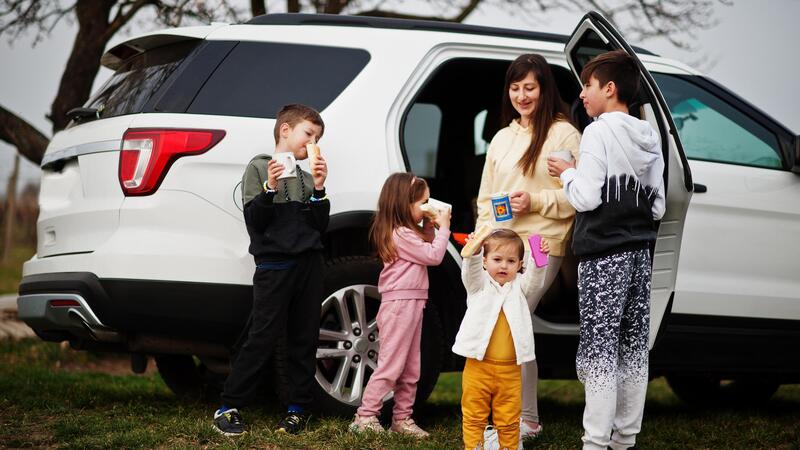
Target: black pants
(285, 302)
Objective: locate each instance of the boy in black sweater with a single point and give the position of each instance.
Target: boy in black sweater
(285, 219)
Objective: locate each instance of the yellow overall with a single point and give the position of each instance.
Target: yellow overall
(493, 385)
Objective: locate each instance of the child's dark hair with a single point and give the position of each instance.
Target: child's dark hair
(294, 114)
(502, 237)
(549, 108)
(616, 66)
(399, 192)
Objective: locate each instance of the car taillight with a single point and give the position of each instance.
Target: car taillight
(147, 155)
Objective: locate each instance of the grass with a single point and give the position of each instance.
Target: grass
(43, 405)
(11, 270)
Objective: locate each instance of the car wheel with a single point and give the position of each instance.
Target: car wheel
(189, 378)
(181, 374)
(708, 390)
(349, 340)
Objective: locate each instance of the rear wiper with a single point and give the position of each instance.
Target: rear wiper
(81, 114)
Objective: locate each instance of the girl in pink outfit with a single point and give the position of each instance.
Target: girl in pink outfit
(406, 250)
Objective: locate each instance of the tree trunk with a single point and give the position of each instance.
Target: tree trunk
(84, 61)
(258, 7)
(11, 194)
(29, 141)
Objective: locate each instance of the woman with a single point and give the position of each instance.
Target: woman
(516, 162)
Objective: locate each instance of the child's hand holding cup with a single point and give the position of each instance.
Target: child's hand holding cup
(559, 161)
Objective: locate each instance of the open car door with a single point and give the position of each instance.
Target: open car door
(595, 35)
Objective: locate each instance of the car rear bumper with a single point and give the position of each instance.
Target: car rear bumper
(127, 311)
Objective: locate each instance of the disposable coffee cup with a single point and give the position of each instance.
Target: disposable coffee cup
(566, 155)
(286, 159)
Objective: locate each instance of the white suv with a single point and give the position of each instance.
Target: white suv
(143, 248)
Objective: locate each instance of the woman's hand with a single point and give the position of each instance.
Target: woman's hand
(544, 247)
(520, 203)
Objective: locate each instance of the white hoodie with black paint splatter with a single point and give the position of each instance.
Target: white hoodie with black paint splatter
(618, 186)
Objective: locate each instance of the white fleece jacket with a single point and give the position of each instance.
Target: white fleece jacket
(485, 298)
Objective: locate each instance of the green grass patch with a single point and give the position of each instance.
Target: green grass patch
(11, 270)
(42, 405)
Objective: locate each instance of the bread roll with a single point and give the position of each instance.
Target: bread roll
(477, 240)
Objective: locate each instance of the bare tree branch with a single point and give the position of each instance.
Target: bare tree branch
(29, 141)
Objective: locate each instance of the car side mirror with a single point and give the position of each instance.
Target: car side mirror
(796, 165)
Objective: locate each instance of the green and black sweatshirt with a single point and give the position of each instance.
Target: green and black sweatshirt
(285, 223)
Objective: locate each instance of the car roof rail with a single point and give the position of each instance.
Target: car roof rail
(407, 24)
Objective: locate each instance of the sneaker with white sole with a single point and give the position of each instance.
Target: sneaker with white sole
(229, 422)
(407, 426)
(492, 442)
(363, 424)
(528, 432)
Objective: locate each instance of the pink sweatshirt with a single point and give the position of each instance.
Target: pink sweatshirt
(406, 277)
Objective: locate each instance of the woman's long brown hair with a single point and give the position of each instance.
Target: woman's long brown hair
(399, 192)
(549, 107)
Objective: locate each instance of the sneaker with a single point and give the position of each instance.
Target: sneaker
(407, 426)
(293, 423)
(361, 424)
(492, 442)
(229, 423)
(527, 432)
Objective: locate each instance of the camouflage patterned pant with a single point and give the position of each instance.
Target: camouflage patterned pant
(612, 359)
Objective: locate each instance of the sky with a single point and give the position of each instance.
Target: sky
(750, 50)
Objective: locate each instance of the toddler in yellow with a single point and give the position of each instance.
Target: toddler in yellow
(496, 337)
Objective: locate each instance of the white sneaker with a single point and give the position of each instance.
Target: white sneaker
(526, 431)
(366, 424)
(407, 426)
(492, 442)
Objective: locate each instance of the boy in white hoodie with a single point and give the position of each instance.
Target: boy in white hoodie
(496, 337)
(618, 191)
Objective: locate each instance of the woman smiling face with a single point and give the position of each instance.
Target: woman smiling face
(524, 95)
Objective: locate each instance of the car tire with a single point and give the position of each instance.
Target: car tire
(181, 374)
(350, 287)
(708, 390)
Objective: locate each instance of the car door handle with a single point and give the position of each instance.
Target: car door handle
(700, 188)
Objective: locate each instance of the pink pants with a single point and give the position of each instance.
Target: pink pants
(400, 331)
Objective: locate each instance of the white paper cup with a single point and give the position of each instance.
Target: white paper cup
(566, 155)
(286, 159)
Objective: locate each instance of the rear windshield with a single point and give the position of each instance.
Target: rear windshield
(257, 78)
(132, 85)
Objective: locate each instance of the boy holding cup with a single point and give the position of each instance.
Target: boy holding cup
(286, 212)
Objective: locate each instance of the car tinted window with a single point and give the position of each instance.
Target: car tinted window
(713, 130)
(257, 78)
(132, 85)
(421, 138)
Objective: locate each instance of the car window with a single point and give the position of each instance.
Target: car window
(481, 146)
(421, 138)
(713, 130)
(132, 85)
(257, 78)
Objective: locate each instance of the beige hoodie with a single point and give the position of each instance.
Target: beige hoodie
(551, 214)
